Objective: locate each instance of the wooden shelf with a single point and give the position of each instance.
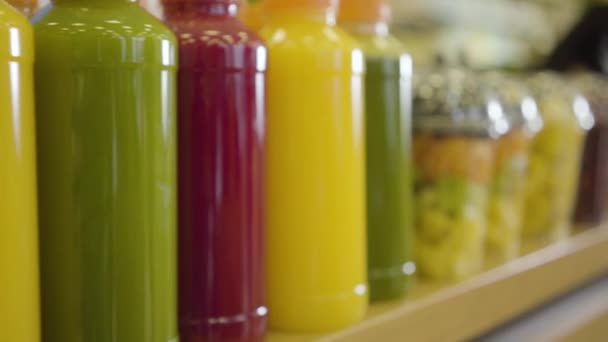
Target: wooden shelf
(581, 315)
(449, 312)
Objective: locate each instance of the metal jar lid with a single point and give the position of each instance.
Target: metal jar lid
(454, 102)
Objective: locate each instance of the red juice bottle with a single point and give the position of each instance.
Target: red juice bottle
(221, 105)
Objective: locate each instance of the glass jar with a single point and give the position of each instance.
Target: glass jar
(555, 158)
(592, 203)
(508, 186)
(454, 149)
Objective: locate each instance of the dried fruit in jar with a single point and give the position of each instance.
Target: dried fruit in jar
(507, 193)
(554, 164)
(452, 178)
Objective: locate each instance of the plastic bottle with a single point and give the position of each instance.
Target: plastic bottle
(19, 299)
(105, 95)
(221, 172)
(316, 157)
(388, 141)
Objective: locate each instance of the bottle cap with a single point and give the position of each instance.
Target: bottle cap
(364, 11)
(300, 4)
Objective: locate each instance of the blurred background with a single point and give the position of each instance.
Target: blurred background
(485, 33)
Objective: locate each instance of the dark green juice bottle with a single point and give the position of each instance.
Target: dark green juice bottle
(105, 98)
(388, 129)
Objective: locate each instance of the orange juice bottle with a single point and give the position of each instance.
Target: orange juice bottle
(316, 248)
(19, 309)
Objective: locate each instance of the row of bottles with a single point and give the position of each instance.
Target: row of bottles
(254, 149)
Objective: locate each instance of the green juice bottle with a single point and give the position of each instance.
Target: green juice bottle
(388, 129)
(105, 95)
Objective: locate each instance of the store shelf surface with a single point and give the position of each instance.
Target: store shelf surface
(448, 312)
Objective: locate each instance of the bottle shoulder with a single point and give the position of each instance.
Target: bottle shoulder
(218, 43)
(11, 18)
(16, 34)
(317, 47)
(307, 36)
(209, 30)
(385, 56)
(378, 46)
(126, 34)
(125, 21)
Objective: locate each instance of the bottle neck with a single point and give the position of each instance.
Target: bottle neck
(325, 16)
(219, 9)
(367, 29)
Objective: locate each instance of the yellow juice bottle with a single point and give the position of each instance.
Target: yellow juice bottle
(316, 250)
(19, 311)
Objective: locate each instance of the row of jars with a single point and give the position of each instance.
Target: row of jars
(497, 162)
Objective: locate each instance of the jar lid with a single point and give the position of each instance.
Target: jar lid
(595, 88)
(559, 99)
(454, 102)
(591, 84)
(518, 103)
